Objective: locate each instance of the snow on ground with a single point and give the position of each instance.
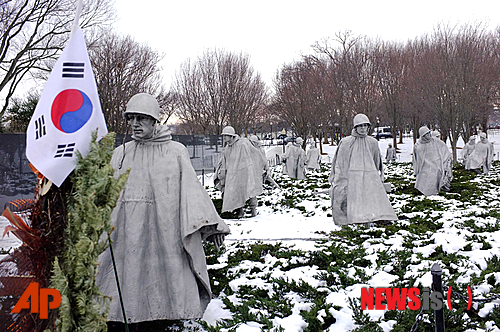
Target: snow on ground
(304, 224)
(293, 225)
(295, 229)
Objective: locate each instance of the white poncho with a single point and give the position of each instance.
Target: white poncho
(467, 150)
(481, 157)
(295, 161)
(160, 220)
(357, 191)
(239, 173)
(432, 166)
(313, 158)
(390, 154)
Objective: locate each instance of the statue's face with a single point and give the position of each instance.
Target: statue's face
(362, 129)
(227, 139)
(143, 126)
(483, 139)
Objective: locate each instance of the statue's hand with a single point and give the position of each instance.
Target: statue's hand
(217, 240)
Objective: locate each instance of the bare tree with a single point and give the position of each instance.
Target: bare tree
(196, 108)
(292, 101)
(480, 74)
(351, 81)
(33, 32)
(168, 101)
(219, 88)
(243, 91)
(313, 87)
(123, 68)
(324, 91)
(417, 109)
(340, 76)
(462, 79)
(448, 80)
(390, 70)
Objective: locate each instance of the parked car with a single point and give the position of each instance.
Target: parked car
(382, 132)
(290, 139)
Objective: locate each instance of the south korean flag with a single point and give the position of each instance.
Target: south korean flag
(67, 113)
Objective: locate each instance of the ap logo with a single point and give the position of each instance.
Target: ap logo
(33, 293)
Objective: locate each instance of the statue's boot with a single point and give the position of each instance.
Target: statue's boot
(253, 206)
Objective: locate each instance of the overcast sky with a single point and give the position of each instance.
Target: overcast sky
(274, 32)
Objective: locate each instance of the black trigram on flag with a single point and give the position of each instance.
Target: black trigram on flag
(73, 69)
(40, 127)
(65, 150)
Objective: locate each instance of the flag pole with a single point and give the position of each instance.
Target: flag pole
(118, 283)
(76, 21)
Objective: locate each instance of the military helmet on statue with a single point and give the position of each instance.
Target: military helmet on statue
(360, 119)
(423, 130)
(254, 138)
(228, 130)
(143, 103)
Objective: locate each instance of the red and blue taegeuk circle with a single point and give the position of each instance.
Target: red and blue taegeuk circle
(71, 110)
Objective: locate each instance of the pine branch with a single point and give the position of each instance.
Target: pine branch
(95, 192)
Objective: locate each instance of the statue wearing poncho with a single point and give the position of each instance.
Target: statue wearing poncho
(160, 220)
(468, 149)
(313, 158)
(390, 154)
(357, 191)
(432, 164)
(239, 173)
(481, 157)
(295, 160)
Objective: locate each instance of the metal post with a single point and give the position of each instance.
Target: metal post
(271, 133)
(437, 287)
(118, 284)
(203, 154)
(194, 147)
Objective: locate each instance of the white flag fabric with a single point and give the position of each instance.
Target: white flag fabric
(67, 112)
